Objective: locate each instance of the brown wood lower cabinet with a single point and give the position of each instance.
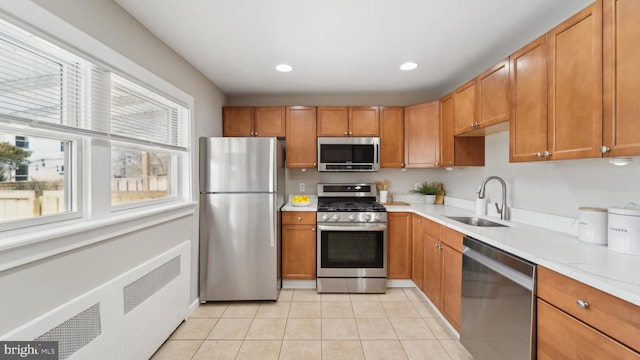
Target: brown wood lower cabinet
(399, 245)
(577, 321)
(561, 336)
(437, 266)
(299, 245)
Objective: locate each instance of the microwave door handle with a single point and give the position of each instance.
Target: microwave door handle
(377, 153)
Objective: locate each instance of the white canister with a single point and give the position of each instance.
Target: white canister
(592, 225)
(624, 229)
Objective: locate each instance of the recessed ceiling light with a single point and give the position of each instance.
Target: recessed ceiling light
(408, 66)
(284, 67)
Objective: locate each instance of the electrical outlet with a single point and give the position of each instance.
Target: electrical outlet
(301, 187)
(416, 186)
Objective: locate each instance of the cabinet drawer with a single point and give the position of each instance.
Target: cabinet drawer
(431, 227)
(560, 336)
(299, 217)
(607, 313)
(451, 238)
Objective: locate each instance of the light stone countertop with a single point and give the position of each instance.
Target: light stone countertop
(594, 265)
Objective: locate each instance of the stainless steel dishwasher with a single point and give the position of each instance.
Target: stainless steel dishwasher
(497, 314)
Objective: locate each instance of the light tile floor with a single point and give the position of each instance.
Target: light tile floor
(303, 324)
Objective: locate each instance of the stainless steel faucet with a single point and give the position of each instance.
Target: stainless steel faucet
(501, 210)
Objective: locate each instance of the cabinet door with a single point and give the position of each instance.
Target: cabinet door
(237, 121)
(364, 121)
(417, 252)
(621, 77)
(451, 285)
(560, 336)
(493, 95)
(422, 135)
(391, 137)
(466, 108)
(447, 119)
(301, 137)
(299, 252)
(432, 286)
(399, 245)
(528, 128)
(333, 121)
(575, 86)
(269, 121)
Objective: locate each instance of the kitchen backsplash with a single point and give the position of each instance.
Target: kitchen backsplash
(547, 193)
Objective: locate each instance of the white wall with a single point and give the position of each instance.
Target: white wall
(41, 286)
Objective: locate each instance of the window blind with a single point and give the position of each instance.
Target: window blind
(48, 87)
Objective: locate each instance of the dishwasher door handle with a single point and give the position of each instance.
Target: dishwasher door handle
(500, 268)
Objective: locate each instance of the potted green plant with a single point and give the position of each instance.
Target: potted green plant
(429, 190)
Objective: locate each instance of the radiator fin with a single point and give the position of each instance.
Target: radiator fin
(140, 290)
(75, 333)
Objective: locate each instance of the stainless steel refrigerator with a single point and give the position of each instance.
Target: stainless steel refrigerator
(241, 193)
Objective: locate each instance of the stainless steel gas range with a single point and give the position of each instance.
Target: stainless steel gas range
(352, 239)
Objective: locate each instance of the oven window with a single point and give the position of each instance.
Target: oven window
(352, 249)
(346, 153)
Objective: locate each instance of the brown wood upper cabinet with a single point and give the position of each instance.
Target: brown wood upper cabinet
(253, 121)
(483, 102)
(391, 137)
(556, 93)
(348, 121)
(457, 150)
(302, 151)
(621, 73)
(422, 135)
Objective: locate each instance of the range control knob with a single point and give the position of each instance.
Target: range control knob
(335, 217)
(325, 217)
(367, 217)
(377, 217)
(352, 217)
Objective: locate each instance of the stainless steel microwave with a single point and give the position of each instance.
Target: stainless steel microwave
(348, 154)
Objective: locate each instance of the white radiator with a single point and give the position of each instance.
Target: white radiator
(128, 317)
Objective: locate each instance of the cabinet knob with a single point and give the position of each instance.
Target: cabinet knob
(350, 132)
(346, 133)
(582, 304)
(450, 162)
(299, 218)
(255, 133)
(547, 153)
(604, 149)
(437, 163)
(539, 154)
(313, 229)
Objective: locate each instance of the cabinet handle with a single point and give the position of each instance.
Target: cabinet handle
(604, 149)
(582, 304)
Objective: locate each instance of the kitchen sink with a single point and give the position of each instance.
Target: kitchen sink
(475, 221)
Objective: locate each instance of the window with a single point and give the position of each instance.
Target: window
(31, 184)
(140, 175)
(22, 142)
(54, 103)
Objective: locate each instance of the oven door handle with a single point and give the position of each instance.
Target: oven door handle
(359, 227)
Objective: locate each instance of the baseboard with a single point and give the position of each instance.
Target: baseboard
(298, 284)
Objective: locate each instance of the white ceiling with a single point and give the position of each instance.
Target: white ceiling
(346, 46)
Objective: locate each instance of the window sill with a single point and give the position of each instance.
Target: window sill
(21, 247)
